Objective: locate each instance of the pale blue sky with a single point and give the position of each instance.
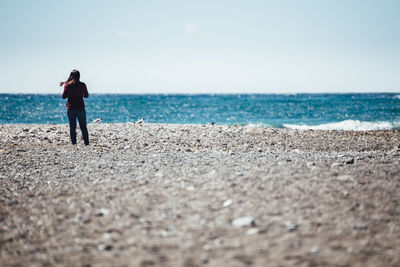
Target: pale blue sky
(201, 46)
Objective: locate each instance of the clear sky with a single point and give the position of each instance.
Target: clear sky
(216, 46)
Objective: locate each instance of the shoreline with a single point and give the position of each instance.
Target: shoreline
(260, 125)
(169, 194)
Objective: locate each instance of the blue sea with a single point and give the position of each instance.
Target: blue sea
(298, 111)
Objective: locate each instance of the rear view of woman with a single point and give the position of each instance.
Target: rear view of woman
(75, 91)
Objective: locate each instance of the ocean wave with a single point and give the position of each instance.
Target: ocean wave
(397, 96)
(347, 125)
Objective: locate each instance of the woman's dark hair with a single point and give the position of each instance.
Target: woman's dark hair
(74, 76)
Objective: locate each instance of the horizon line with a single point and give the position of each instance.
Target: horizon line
(231, 93)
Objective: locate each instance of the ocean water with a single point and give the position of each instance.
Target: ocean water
(298, 111)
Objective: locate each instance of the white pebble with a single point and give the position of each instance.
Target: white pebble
(227, 203)
(243, 221)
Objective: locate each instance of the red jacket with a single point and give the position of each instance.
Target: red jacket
(75, 92)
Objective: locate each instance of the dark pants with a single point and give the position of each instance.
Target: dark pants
(72, 116)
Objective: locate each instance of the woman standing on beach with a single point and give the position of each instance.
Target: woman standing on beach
(75, 91)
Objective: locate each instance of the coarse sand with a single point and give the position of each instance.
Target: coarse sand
(198, 195)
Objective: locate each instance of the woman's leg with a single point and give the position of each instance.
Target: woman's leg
(72, 125)
(83, 126)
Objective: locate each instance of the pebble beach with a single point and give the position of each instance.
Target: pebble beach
(198, 195)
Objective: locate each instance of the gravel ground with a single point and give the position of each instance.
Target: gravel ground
(198, 195)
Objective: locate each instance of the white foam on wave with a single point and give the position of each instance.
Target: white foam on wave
(397, 96)
(259, 125)
(347, 125)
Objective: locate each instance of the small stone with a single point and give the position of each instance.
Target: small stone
(227, 203)
(107, 236)
(190, 188)
(336, 164)
(164, 233)
(86, 221)
(314, 249)
(244, 221)
(290, 226)
(350, 161)
(102, 212)
(206, 247)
